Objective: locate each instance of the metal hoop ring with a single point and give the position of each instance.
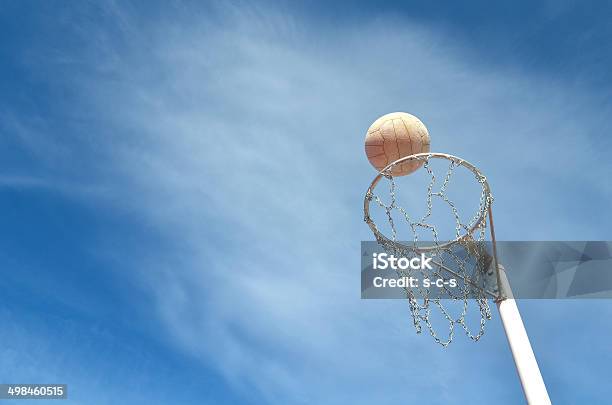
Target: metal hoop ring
(482, 215)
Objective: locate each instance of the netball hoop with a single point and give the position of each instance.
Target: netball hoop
(460, 255)
(460, 251)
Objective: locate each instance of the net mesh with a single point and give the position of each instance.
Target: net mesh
(462, 256)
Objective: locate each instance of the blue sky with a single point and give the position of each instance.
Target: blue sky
(182, 188)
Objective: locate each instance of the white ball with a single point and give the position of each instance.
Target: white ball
(394, 136)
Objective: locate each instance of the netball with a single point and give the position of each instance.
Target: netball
(394, 136)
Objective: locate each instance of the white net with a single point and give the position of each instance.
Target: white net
(455, 242)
